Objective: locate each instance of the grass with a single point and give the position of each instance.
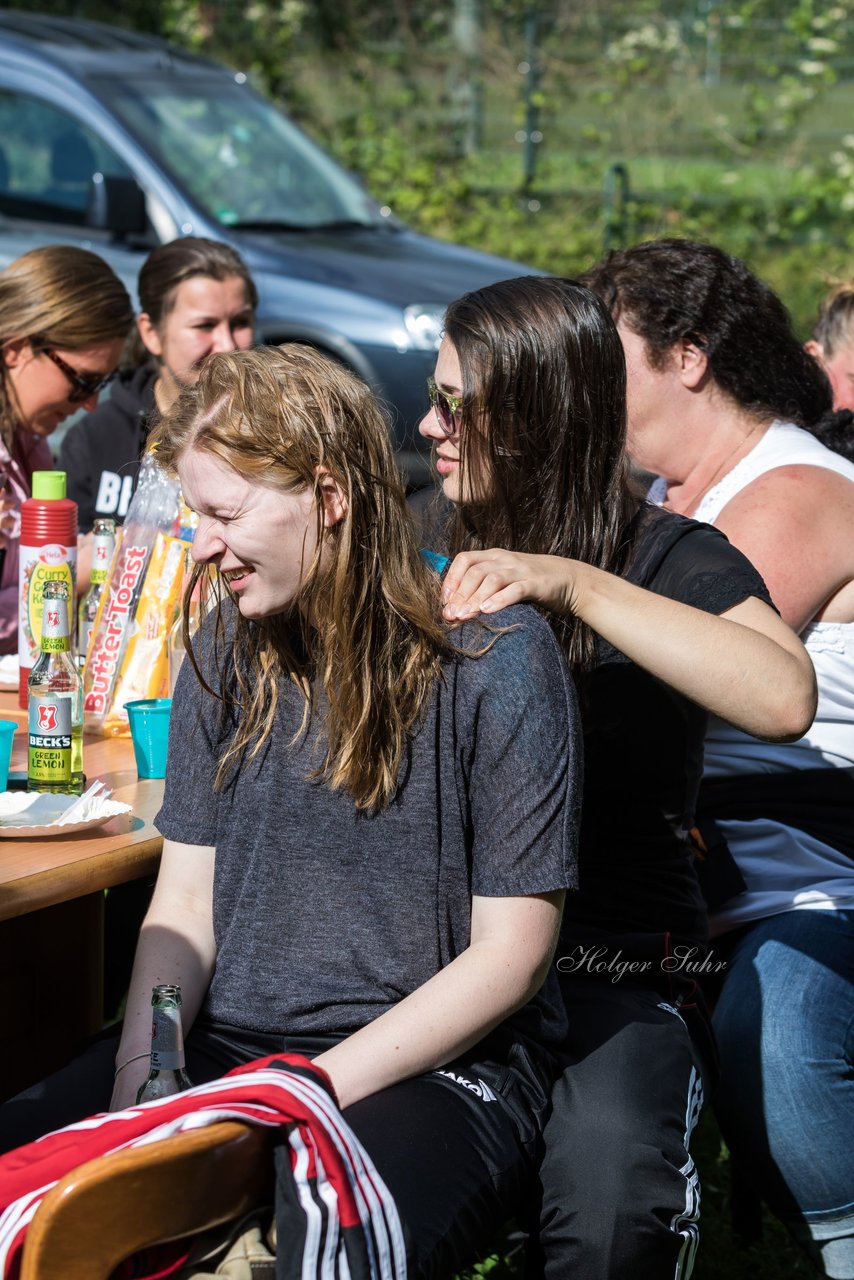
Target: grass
(652, 175)
(701, 163)
(721, 1255)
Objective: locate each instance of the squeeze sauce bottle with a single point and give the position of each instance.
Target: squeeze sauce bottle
(48, 552)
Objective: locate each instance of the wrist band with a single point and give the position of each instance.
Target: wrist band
(135, 1058)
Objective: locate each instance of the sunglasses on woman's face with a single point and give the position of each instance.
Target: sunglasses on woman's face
(83, 385)
(448, 408)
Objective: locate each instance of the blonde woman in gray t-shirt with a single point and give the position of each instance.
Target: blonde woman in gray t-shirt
(369, 819)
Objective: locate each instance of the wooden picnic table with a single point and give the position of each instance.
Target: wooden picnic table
(52, 911)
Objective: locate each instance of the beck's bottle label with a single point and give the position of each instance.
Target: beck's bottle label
(49, 745)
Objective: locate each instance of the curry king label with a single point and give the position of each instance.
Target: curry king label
(37, 567)
(49, 727)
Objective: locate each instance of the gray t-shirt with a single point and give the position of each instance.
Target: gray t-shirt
(326, 916)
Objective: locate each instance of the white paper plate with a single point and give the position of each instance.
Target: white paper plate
(26, 814)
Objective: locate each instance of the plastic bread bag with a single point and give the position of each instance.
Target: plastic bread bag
(144, 671)
(153, 510)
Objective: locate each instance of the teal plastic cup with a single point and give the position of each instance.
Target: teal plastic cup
(7, 733)
(149, 731)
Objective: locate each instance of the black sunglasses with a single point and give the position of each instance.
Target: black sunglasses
(84, 386)
(448, 408)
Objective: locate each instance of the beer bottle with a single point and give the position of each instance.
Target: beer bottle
(55, 703)
(167, 1074)
(103, 545)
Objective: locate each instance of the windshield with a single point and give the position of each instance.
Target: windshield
(239, 157)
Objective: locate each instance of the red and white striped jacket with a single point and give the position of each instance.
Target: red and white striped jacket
(342, 1220)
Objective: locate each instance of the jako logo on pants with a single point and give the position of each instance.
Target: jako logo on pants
(482, 1089)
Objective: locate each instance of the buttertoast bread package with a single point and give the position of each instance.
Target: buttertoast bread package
(153, 511)
(144, 671)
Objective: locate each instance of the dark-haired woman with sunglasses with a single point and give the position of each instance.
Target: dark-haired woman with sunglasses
(661, 621)
(64, 318)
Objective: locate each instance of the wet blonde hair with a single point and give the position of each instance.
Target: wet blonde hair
(375, 646)
(58, 296)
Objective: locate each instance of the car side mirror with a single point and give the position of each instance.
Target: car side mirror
(116, 204)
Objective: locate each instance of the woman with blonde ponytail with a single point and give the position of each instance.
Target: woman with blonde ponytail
(64, 317)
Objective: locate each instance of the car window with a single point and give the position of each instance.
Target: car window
(242, 159)
(47, 159)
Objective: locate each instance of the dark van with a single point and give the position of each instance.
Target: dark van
(120, 142)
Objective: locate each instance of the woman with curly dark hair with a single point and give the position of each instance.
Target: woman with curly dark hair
(720, 394)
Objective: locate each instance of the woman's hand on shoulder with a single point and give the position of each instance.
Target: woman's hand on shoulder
(486, 581)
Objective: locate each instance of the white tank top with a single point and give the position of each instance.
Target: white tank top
(785, 868)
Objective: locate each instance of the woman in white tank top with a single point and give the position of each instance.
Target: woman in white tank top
(716, 382)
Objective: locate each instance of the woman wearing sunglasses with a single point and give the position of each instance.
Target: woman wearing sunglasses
(661, 620)
(64, 317)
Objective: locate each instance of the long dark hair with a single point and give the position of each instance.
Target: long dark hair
(543, 429)
(668, 290)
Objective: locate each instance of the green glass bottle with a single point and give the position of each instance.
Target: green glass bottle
(55, 703)
(167, 1074)
(103, 545)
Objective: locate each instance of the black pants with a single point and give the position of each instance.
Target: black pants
(618, 1190)
(456, 1156)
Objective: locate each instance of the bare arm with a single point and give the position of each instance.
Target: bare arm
(505, 964)
(745, 666)
(176, 944)
(795, 524)
(84, 562)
